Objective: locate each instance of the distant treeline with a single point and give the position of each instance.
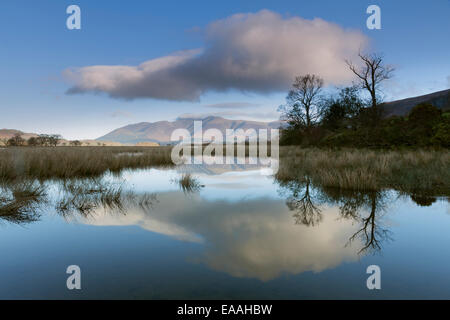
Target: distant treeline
(353, 117)
(42, 140)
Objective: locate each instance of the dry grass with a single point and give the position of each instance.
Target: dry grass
(77, 162)
(18, 202)
(188, 183)
(365, 170)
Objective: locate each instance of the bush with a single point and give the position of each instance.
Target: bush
(442, 135)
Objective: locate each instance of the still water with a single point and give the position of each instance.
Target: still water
(237, 234)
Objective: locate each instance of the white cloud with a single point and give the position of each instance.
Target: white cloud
(255, 52)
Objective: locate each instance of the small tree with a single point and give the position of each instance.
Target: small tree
(302, 108)
(342, 109)
(54, 139)
(16, 140)
(33, 142)
(44, 140)
(75, 143)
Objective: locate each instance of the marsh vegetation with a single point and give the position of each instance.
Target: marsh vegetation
(367, 170)
(77, 162)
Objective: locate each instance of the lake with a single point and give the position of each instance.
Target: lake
(237, 234)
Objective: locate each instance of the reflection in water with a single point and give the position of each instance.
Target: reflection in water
(364, 208)
(85, 197)
(20, 201)
(250, 238)
(188, 183)
(301, 202)
(423, 200)
(308, 228)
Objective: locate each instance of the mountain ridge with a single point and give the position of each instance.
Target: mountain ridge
(440, 99)
(160, 131)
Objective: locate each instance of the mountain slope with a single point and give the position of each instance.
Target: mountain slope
(440, 99)
(6, 134)
(161, 131)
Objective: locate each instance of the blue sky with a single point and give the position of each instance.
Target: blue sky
(37, 48)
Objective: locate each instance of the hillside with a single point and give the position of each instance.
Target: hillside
(161, 131)
(440, 99)
(6, 134)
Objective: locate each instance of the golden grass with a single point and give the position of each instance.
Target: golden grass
(357, 169)
(74, 162)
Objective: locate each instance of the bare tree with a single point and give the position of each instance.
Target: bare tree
(302, 103)
(306, 212)
(371, 74)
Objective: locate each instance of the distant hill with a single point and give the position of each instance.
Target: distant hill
(6, 134)
(161, 131)
(440, 99)
(9, 133)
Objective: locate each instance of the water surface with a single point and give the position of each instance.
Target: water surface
(239, 234)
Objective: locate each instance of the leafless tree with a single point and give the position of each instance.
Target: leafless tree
(301, 202)
(371, 74)
(371, 233)
(302, 103)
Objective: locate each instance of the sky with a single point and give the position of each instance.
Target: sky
(136, 61)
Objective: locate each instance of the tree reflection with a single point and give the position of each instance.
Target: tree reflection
(365, 208)
(372, 233)
(301, 201)
(423, 200)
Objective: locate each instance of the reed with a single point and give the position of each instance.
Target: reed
(77, 162)
(366, 170)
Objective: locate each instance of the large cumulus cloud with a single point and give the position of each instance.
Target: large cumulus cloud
(255, 52)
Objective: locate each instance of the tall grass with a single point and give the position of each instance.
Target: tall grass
(365, 170)
(77, 162)
(188, 183)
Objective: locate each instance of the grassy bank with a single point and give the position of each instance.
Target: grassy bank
(77, 162)
(368, 170)
(415, 171)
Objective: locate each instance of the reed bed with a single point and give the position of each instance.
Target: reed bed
(368, 170)
(77, 162)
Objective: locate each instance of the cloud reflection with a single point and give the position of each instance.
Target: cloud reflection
(254, 238)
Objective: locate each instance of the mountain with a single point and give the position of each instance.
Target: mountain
(6, 134)
(440, 99)
(161, 131)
